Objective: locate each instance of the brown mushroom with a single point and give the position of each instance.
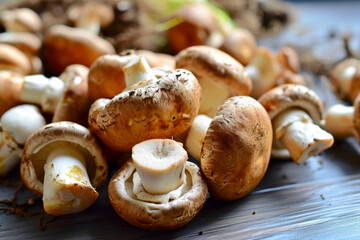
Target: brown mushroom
(65, 46)
(21, 20)
(219, 75)
(240, 44)
(91, 16)
(159, 189)
(345, 78)
(288, 59)
(296, 112)
(16, 125)
(10, 88)
(233, 148)
(63, 163)
(155, 108)
(13, 59)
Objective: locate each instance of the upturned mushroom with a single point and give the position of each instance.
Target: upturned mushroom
(16, 125)
(64, 46)
(21, 20)
(343, 121)
(13, 59)
(154, 108)
(158, 189)
(233, 148)
(345, 78)
(64, 164)
(10, 88)
(296, 112)
(219, 74)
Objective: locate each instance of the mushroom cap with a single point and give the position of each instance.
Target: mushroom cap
(60, 134)
(197, 23)
(163, 109)
(240, 44)
(106, 77)
(212, 64)
(351, 69)
(236, 148)
(75, 102)
(27, 43)
(21, 19)
(65, 46)
(154, 216)
(288, 58)
(13, 59)
(356, 128)
(158, 60)
(288, 96)
(10, 89)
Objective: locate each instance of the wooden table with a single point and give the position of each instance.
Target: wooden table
(317, 200)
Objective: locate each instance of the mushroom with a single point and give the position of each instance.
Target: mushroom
(158, 60)
(219, 75)
(65, 46)
(27, 43)
(21, 20)
(10, 88)
(91, 16)
(63, 163)
(345, 78)
(288, 59)
(154, 108)
(240, 44)
(233, 148)
(296, 112)
(343, 121)
(158, 189)
(17, 124)
(13, 59)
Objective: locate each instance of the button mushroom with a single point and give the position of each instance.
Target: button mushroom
(63, 162)
(219, 75)
(345, 78)
(159, 189)
(10, 88)
(17, 124)
(296, 112)
(155, 108)
(65, 46)
(21, 20)
(13, 59)
(233, 148)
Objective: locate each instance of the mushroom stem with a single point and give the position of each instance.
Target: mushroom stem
(196, 135)
(10, 154)
(67, 187)
(90, 24)
(339, 121)
(160, 164)
(138, 73)
(37, 89)
(296, 131)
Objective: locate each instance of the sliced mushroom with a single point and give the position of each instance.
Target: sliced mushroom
(13, 59)
(63, 163)
(17, 124)
(65, 46)
(159, 189)
(10, 88)
(345, 78)
(21, 20)
(219, 75)
(233, 148)
(296, 112)
(155, 108)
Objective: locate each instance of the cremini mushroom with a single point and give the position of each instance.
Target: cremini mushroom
(288, 59)
(65, 46)
(21, 20)
(91, 16)
(233, 148)
(10, 88)
(63, 163)
(16, 125)
(219, 74)
(158, 189)
(296, 112)
(152, 108)
(13, 59)
(345, 78)
(343, 121)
